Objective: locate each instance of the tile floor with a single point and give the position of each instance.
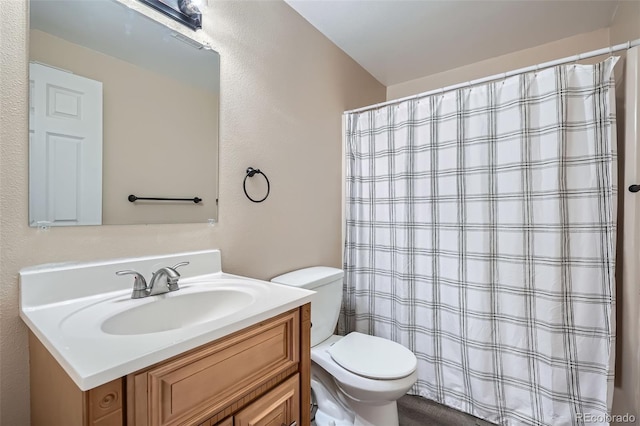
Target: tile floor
(416, 411)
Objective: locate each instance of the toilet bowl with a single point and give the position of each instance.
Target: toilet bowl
(332, 406)
(372, 400)
(356, 379)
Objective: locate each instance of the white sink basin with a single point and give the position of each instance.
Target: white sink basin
(181, 310)
(192, 305)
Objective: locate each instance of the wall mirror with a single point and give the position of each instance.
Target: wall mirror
(120, 105)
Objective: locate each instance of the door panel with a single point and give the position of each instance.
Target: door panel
(65, 148)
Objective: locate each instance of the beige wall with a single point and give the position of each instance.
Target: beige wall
(283, 90)
(626, 27)
(626, 22)
(151, 148)
(500, 64)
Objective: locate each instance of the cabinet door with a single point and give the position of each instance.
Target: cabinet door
(205, 381)
(281, 406)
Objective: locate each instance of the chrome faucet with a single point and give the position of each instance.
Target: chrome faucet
(162, 281)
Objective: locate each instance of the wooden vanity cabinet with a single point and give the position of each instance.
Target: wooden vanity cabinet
(258, 376)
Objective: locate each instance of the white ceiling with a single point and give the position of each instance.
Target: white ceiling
(401, 40)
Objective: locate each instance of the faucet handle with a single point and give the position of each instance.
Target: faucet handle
(178, 265)
(173, 284)
(139, 283)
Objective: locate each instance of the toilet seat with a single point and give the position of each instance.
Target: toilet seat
(373, 357)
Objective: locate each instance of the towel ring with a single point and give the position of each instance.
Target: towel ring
(251, 172)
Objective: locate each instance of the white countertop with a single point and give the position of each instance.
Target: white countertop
(64, 307)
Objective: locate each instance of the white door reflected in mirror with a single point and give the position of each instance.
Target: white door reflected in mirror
(65, 148)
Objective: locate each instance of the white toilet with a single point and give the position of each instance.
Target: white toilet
(356, 379)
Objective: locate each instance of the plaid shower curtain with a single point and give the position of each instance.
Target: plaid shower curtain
(480, 234)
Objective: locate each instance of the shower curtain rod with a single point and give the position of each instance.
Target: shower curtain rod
(578, 57)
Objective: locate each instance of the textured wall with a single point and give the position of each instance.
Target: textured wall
(522, 58)
(284, 87)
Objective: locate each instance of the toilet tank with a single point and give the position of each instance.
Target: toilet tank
(325, 304)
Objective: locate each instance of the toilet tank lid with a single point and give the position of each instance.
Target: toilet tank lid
(309, 278)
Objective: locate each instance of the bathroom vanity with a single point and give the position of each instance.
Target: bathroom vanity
(244, 364)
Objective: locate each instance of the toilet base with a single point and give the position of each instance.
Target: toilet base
(324, 419)
(365, 415)
(337, 408)
(333, 409)
(375, 415)
(371, 416)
